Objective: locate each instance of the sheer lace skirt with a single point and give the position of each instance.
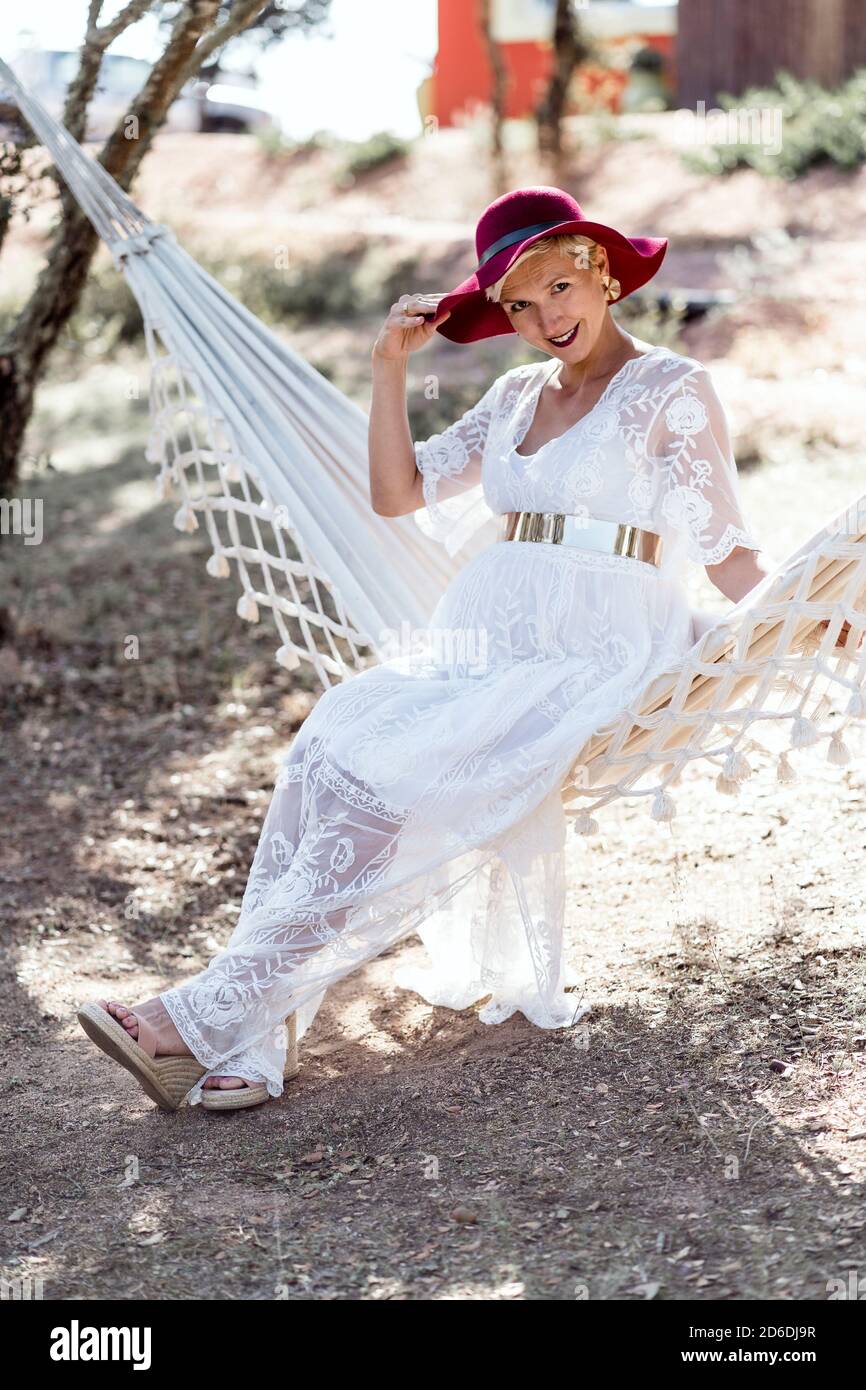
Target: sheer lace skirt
(423, 795)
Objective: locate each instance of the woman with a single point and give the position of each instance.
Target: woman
(423, 794)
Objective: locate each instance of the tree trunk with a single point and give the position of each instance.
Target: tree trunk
(58, 288)
(48, 311)
(499, 76)
(570, 48)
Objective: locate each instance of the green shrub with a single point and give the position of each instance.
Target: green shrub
(365, 155)
(818, 126)
(308, 290)
(107, 309)
(645, 319)
(275, 144)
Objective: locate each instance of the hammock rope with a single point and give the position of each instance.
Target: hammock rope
(270, 458)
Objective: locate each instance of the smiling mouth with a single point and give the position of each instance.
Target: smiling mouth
(565, 338)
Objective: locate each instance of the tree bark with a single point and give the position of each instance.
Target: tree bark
(498, 74)
(570, 48)
(56, 293)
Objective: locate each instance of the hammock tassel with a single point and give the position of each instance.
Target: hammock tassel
(784, 771)
(737, 766)
(164, 486)
(288, 657)
(838, 751)
(664, 808)
(728, 785)
(803, 732)
(247, 608)
(185, 518)
(585, 824)
(218, 566)
(857, 705)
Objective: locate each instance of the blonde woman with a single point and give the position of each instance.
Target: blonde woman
(423, 794)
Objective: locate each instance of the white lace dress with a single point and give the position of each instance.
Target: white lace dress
(423, 794)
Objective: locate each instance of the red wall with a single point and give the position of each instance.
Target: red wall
(462, 77)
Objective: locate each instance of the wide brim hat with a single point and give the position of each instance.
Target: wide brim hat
(517, 220)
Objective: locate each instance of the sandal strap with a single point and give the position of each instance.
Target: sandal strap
(147, 1035)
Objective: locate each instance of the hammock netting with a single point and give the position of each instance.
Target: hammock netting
(260, 449)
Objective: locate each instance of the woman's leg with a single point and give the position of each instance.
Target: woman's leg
(317, 903)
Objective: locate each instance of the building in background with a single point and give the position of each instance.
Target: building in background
(637, 43)
(729, 45)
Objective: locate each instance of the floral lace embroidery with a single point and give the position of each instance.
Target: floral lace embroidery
(701, 498)
(629, 459)
(429, 800)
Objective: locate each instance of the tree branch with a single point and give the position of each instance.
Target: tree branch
(107, 33)
(59, 286)
(91, 53)
(121, 155)
(241, 16)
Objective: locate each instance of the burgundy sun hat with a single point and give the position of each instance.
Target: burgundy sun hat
(505, 229)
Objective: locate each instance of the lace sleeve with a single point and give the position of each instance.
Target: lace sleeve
(700, 496)
(450, 467)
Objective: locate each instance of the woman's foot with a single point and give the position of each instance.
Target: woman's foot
(169, 1041)
(227, 1083)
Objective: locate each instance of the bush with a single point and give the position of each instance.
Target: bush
(275, 145)
(309, 290)
(819, 126)
(365, 155)
(107, 310)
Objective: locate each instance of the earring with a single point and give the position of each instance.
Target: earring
(611, 287)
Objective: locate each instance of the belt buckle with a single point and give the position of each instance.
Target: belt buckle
(589, 533)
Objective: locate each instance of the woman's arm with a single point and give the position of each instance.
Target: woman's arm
(737, 574)
(395, 483)
(740, 572)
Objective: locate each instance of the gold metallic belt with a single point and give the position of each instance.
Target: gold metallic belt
(587, 533)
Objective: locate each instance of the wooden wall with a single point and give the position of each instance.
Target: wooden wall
(729, 45)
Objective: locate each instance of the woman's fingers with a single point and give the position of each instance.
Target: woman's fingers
(408, 310)
(409, 324)
(416, 303)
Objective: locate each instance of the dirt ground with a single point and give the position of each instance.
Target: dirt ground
(652, 1151)
(700, 1135)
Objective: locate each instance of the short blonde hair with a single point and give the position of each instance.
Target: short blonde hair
(570, 244)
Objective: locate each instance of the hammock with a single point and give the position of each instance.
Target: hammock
(265, 453)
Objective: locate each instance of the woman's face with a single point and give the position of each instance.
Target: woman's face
(551, 299)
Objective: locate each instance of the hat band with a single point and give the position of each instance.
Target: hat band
(511, 237)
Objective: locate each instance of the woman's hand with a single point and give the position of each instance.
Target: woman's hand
(405, 329)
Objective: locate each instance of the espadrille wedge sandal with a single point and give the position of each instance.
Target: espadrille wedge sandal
(165, 1079)
(242, 1097)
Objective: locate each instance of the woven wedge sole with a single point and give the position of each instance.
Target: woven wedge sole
(243, 1097)
(165, 1079)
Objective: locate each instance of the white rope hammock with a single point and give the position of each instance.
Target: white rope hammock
(261, 449)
